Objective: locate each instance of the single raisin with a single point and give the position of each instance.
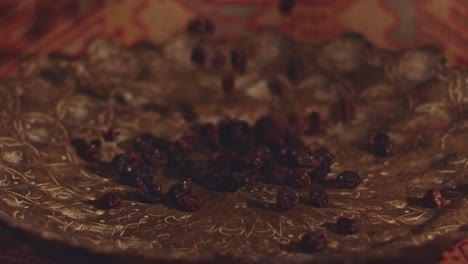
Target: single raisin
(259, 156)
(108, 200)
(286, 6)
(178, 189)
(382, 145)
(198, 55)
(347, 226)
(348, 179)
(434, 199)
(318, 197)
(188, 203)
(298, 179)
(324, 152)
(131, 168)
(324, 159)
(155, 158)
(238, 60)
(306, 158)
(110, 135)
(286, 198)
(150, 193)
(313, 242)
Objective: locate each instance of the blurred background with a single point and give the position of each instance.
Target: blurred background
(39, 26)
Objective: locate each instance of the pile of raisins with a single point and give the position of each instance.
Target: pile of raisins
(229, 155)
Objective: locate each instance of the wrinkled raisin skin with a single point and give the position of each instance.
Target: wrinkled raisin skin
(188, 203)
(299, 179)
(178, 189)
(348, 179)
(108, 200)
(318, 198)
(433, 199)
(313, 242)
(150, 193)
(286, 198)
(383, 146)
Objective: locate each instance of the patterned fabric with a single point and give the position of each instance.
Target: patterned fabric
(33, 26)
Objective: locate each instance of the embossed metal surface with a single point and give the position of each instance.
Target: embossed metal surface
(46, 189)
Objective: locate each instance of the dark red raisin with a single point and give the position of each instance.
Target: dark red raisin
(150, 193)
(132, 168)
(286, 198)
(259, 156)
(307, 159)
(313, 242)
(318, 197)
(348, 179)
(276, 86)
(198, 55)
(108, 200)
(178, 189)
(176, 152)
(110, 135)
(188, 203)
(325, 160)
(286, 6)
(239, 60)
(93, 151)
(382, 145)
(155, 158)
(200, 26)
(298, 179)
(434, 199)
(347, 226)
(228, 83)
(324, 152)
